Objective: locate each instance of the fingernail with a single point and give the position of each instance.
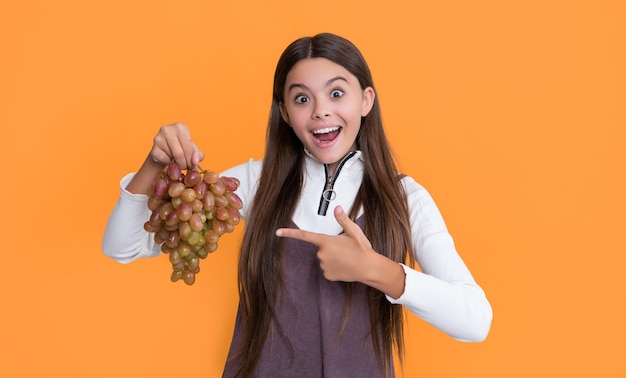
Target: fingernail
(279, 232)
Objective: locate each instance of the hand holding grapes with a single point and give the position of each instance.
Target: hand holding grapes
(173, 143)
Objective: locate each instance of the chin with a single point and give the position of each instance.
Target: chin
(331, 158)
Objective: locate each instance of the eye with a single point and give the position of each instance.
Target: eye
(336, 93)
(301, 99)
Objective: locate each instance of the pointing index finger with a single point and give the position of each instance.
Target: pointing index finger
(307, 236)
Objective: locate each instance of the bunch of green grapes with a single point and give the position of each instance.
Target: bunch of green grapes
(191, 210)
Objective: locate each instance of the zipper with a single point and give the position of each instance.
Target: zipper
(328, 194)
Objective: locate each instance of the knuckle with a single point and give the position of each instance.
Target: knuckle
(179, 156)
(158, 137)
(165, 129)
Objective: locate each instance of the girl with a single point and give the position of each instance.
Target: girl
(329, 226)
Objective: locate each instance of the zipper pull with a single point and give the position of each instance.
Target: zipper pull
(329, 193)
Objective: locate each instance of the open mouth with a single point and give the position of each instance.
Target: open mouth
(327, 134)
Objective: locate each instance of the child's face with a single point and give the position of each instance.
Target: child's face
(324, 104)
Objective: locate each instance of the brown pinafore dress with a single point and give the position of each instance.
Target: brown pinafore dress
(310, 312)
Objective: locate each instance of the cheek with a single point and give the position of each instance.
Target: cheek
(298, 116)
(357, 112)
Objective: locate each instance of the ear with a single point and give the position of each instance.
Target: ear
(368, 101)
(283, 112)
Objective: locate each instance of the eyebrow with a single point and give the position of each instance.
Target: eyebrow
(328, 83)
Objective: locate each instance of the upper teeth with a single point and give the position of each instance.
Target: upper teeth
(326, 130)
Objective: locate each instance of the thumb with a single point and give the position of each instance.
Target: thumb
(349, 227)
(196, 156)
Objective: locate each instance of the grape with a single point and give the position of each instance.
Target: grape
(175, 257)
(184, 249)
(196, 239)
(193, 263)
(211, 237)
(154, 203)
(172, 240)
(160, 188)
(158, 238)
(176, 189)
(150, 228)
(228, 227)
(197, 206)
(192, 178)
(173, 227)
(190, 210)
(234, 217)
(162, 235)
(202, 253)
(172, 219)
(173, 171)
(165, 209)
(188, 195)
(230, 183)
(233, 200)
(189, 277)
(196, 222)
(208, 201)
(184, 230)
(221, 213)
(176, 201)
(218, 226)
(176, 275)
(210, 214)
(179, 267)
(221, 201)
(211, 177)
(201, 188)
(184, 211)
(218, 188)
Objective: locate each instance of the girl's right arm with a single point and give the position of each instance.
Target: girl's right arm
(125, 239)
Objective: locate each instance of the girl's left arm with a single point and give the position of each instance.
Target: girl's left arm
(443, 293)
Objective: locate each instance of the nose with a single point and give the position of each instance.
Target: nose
(321, 110)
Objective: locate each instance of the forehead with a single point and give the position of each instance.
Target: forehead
(316, 72)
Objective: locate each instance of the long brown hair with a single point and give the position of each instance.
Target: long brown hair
(381, 195)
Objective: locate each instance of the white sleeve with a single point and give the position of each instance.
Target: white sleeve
(125, 239)
(443, 293)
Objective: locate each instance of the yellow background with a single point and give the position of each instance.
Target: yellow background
(511, 113)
